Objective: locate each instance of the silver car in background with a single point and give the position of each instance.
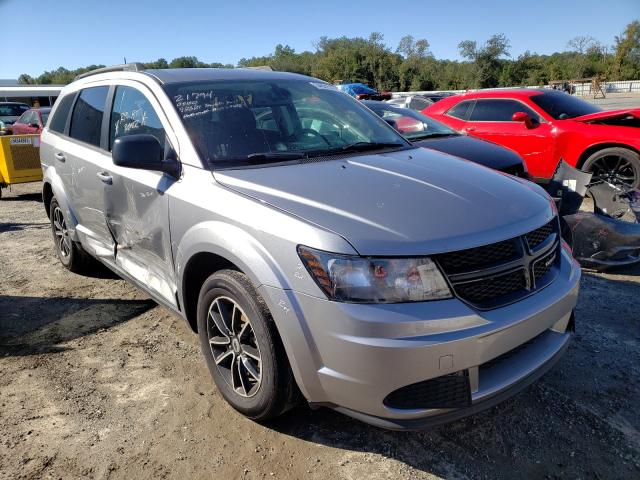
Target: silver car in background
(316, 252)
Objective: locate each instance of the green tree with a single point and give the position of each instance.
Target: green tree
(25, 79)
(186, 62)
(487, 59)
(626, 61)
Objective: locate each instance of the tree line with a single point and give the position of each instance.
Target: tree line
(412, 66)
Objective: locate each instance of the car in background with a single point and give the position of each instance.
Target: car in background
(545, 125)
(9, 113)
(363, 92)
(423, 131)
(32, 121)
(420, 101)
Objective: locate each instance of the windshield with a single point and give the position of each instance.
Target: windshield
(45, 116)
(12, 110)
(562, 106)
(245, 122)
(411, 124)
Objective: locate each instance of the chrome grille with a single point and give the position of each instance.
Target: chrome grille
(501, 273)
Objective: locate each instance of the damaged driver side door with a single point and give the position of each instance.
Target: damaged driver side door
(136, 202)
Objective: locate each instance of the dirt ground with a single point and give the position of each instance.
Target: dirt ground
(97, 381)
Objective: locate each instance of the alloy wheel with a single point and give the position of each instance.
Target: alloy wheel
(63, 240)
(234, 347)
(615, 169)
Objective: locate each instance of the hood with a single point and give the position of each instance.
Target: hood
(608, 115)
(409, 202)
(479, 151)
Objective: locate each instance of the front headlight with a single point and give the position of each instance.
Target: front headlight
(345, 278)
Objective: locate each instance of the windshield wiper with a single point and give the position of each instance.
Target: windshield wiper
(363, 146)
(275, 156)
(433, 135)
(256, 159)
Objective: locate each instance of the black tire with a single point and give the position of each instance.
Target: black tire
(275, 391)
(616, 165)
(71, 254)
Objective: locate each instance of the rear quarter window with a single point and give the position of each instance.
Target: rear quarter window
(461, 110)
(86, 119)
(59, 119)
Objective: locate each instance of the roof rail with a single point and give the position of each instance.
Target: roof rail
(125, 67)
(260, 67)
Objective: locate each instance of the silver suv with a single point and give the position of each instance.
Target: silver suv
(315, 251)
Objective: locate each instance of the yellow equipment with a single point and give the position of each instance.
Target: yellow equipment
(19, 160)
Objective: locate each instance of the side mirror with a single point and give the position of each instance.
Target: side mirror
(524, 118)
(143, 151)
(34, 125)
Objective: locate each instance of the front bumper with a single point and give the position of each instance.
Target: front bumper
(351, 357)
(600, 242)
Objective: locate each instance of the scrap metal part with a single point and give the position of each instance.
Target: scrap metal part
(600, 241)
(610, 234)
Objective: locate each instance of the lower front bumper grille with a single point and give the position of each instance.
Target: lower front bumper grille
(447, 391)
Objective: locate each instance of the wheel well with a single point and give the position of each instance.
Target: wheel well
(198, 269)
(601, 146)
(47, 195)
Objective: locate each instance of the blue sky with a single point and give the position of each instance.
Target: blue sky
(75, 33)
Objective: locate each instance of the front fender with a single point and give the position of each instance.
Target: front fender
(253, 259)
(233, 244)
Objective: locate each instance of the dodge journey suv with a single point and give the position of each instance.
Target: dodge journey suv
(315, 252)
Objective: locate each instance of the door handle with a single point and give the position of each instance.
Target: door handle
(105, 177)
(60, 156)
(470, 129)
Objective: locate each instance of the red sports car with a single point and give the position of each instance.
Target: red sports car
(544, 126)
(31, 121)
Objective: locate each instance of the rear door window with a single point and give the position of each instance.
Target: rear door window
(461, 110)
(498, 111)
(59, 120)
(86, 120)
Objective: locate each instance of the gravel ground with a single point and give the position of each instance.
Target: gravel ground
(97, 381)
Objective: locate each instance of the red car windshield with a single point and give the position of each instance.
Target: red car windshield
(562, 106)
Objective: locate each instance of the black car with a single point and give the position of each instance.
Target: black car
(10, 112)
(425, 132)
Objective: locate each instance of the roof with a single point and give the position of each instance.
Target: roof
(183, 75)
(506, 93)
(31, 91)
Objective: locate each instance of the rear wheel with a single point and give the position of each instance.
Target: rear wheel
(242, 348)
(71, 254)
(616, 165)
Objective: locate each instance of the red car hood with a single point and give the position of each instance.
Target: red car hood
(609, 114)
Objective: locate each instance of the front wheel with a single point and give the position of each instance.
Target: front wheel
(71, 255)
(242, 348)
(616, 165)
